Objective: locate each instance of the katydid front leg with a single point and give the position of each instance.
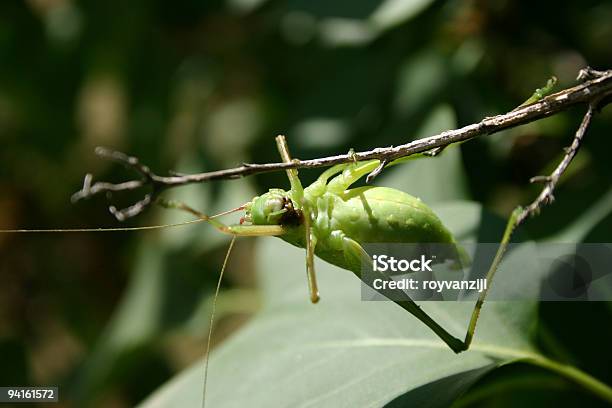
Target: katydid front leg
(309, 237)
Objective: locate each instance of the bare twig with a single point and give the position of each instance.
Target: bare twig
(597, 88)
(520, 214)
(147, 178)
(546, 195)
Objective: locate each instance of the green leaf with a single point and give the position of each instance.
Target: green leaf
(344, 352)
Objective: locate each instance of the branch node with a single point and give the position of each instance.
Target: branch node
(546, 196)
(133, 210)
(85, 191)
(130, 162)
(118, 215)
(588, 73)
(435, 151)
(540, 179)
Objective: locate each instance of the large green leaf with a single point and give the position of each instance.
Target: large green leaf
(345, 352)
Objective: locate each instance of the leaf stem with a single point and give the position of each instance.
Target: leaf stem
(575, 375)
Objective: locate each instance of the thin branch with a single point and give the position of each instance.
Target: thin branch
(147, 178)
(546, 195)
(597, 89)
(520, 214)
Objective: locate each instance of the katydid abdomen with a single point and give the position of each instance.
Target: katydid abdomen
(367, 215)
(382, 214)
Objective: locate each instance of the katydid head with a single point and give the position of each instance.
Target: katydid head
(276, 207)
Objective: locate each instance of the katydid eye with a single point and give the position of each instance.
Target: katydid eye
(274, 204)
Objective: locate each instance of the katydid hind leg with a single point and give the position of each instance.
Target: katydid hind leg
(355, 255)
(501, 250)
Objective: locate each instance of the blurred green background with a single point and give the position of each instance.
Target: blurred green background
(193, 86)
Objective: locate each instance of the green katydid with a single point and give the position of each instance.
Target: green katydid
(332, 221)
